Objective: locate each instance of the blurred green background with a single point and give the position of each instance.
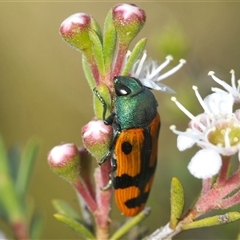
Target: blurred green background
(43, 92)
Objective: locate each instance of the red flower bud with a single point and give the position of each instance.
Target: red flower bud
(64, 160)
(97, 138)
(128, 20)
(74, 31)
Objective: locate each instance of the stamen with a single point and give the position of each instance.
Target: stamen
(141, 63)
(161, 67)
(173, 70)
(174, 130)
(127, 56)
(233, 80)
(238, 88)
(200, 99)
(182, 108)
(219, 145)
(235, 139)
(226, 138)
(172, 127)
(221, 82)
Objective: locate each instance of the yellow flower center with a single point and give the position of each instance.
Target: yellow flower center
(225, 131)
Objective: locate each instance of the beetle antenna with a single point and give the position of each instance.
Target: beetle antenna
(100, 98)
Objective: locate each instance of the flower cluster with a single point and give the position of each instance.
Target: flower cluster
(216, 131)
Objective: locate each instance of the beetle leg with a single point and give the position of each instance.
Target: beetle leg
(109, 185)
(108, 154)
(109, 120)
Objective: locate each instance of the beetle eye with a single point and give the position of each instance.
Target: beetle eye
(122, 90)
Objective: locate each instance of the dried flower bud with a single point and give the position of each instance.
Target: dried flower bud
(74, 30)
(64, 160)
(128, 20)
(97, 138)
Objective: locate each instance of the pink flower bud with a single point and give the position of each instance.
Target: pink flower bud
(64, 160)
(97, 138)
(128, 20)
(74, 31)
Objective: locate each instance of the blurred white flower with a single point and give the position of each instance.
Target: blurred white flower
(148, 72)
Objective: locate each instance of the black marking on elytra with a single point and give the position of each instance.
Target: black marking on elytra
(138, 201)
(126, 147)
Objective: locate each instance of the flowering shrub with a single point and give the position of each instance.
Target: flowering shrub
(106, 54)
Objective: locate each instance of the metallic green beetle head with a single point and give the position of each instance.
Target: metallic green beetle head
(135, 105)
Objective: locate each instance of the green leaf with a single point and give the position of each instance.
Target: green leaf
(131, 223)
(64, 208)
(4, 166)
(213, 221)
(136, 52)
(97, 49)
(28, 159)
(36, 226)
(75, 225)
(108, 21)
(109, 41)
(109, 46)
(96, 28)
(9, 198)
(14, 157)
(177, 202)
(88, 73)
(3, 213)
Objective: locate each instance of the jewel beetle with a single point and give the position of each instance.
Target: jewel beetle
(136, 125)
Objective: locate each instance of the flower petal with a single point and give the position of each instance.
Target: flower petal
(205, 164)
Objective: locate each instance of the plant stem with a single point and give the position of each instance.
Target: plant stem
(222, 176)
(20, 230)
(122, 50)
(93, 66)
(83, 191)
(206, 185)
(103, 199)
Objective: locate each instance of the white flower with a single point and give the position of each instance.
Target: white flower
(233, 89)
(148, 72)
(216, 130)
(2, 236)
